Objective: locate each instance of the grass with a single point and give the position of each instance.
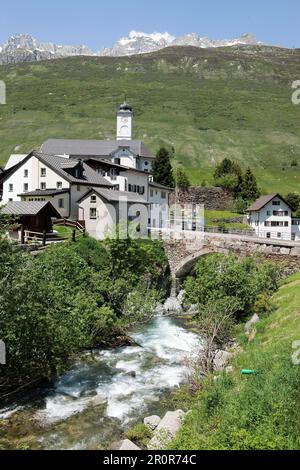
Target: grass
(64, 232)
(208, 104)
(217, 218)
(254, 412)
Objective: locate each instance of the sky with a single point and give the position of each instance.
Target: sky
(99, 23)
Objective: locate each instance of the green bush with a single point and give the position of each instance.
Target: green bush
(139, 434)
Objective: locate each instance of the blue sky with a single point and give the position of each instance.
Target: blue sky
(99, 23)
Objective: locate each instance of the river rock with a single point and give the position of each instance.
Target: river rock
(152, 422)
(172, 305)
(180, 297)
(166, 430)
(250, 324)
(159, 310)
(192, 310)
(99, 400)
(128, 445)
(222, 359)
(131, 373)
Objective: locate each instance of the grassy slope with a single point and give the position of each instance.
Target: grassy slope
(254, 412)
(209, 104)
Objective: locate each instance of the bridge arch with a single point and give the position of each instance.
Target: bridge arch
(187, 264)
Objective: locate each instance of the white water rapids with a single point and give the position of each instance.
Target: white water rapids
(90, 405)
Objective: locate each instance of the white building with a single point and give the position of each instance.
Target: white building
(159, 205)
(104, 210)
(271, 217)
(123, 151)
(61, 181)
(65, 171)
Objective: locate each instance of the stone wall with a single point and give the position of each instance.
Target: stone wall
(217, 199)
(183, 254)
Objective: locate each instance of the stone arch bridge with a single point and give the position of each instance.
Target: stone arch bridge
(184, 249)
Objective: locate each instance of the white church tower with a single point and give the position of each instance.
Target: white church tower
(125, 122)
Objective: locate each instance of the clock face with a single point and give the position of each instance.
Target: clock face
(124, 120)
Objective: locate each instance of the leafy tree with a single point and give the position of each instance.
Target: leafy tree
(218, 276)
(293, 199)
(228, 175)
(182, 180)
(249, 189)
(162, 168)
(240, 205)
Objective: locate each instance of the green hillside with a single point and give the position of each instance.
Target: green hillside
(208, 104)
(262, 411)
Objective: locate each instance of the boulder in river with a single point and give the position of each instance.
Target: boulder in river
(172, 305)
(99, 400)
(152, 422)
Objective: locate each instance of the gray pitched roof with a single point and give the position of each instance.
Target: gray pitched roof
(26, 207)
(94, 148)
(263, 201)
(61, 164)
(160, 186)
(45, 192)
(115, 196)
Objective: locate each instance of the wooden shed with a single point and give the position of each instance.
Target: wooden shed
(34, 216)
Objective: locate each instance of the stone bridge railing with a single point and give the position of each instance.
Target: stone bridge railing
(183, 253)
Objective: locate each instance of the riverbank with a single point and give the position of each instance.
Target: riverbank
(246, 412)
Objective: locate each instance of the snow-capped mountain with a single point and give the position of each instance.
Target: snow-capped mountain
(140, 43)
(24, 48)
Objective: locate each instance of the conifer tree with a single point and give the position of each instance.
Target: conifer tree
(250, 190)
(162, 168)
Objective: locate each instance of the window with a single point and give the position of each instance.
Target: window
(93, 199)
(43, 186)
(278, 234)
(293, 237)
(78, 188)
(10, 188)
(142, 190)
(61, 203)
(281, 213)
(59, 185)
(268, 235)
(25, 187)
(93, 213)
(296, 222)
(10, 200)
(164, 195)
(268, 213)
(276, 203)
(146, 163)
(117, 161)
(151, 192)
(257, 223)
(25, 173)
(43, 172)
